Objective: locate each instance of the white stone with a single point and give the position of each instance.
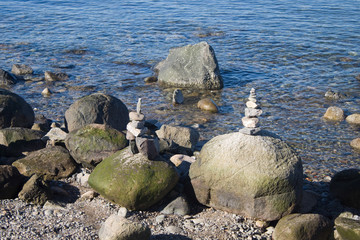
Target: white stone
(136, 132)
(130, 136)
(137, 124)
(46, 92)
(138, 106)
(89, 195)
(123, 212)
(252, 112)
(134, 116)
(55, 134)
(250, 122)
(251, 104)
(177, 159)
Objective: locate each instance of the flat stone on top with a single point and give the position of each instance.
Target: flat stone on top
(250, 122)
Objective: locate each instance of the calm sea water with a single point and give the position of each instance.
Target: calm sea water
(292, 52)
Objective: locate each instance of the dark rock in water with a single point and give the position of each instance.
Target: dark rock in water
(151, 79)
(10, 182)
(51, 163)
(19, 140)
(193, 66)
(7, 78)
(52, 77)
(92, 143)
(14, 111)
(347, 226)
(345, 186)
(185, 137)
(303, 227)
(97, 108)
(332, 95)
(21, 69)
(133, 181)
(77, 51)
(35, 190)
(256, 176)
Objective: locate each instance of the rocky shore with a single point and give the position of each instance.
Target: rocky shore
(110, 173)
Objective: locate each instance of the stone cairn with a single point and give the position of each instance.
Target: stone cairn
(137, 134)
(252, 112)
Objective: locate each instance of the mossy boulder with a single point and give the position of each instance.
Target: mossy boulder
(347, 226)
(51, 163)
(132, 181)
(89, 145)
(303, 227)
(97, 108)
(14, 110)
(258, 176)
(15, 141)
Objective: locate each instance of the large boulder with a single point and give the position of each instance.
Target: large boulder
(89, 145)
(97, 108)
(10, 182)
(15, 141)
(51, 163)
(7, 78)
(119, 228)
(345, 186)
(303, 227)
(133, 181)
(35, 190)
(347, 226)
(191, 66)
(14, 111)
(185, 137)
(258, 176)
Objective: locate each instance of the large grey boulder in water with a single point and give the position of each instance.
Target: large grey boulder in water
(257, 176)
(97, 108)
(190, 66)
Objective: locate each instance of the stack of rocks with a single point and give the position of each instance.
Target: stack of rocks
(252, 112)
(139, 140)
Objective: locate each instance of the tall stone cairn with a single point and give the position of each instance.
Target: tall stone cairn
(252, 112)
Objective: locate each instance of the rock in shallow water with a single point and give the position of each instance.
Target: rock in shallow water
(334, 114)
(256, 176)
(353, 119)
(207, 104)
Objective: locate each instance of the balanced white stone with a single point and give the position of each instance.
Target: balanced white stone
(252, 112)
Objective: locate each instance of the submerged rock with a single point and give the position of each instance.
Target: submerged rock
(207, 104)
(133, 181)
(14, 111)
(258, 176)
(335, 114)
(191, 66)
(89, 145)
(97, 108)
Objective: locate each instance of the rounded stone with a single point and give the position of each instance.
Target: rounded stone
(258, 176)
(14, 111)
(207, 104)
(355, 143)
(303, 227)
(334, 114)
(353, 119)
(97, 108)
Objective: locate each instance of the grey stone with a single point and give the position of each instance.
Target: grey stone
(174, 229)
(190, 66)
(251, 104)
(137, 124)
(252, 112)
(177, 97)
(183, 136)
(136, 131)
(250, 122)
(250, 131)
(7, 78)
(119, 228)
(134, 116)
(51, 163)
(97, 108)
(55, 135)
(148, 146)
(14, 110)
(303, 227)
(10, 182)
(256, 176)
(123, 212)
(179, 206)
(35, 191)
(21, 69)
(52, 77)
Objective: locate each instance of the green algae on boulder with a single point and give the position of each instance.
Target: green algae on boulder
(89, 145)
(347, 226)
(257, 176)
(132, 181)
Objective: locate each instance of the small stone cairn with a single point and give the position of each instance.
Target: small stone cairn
(137, 134)
(252, 112)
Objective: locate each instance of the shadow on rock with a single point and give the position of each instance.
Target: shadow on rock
(63, 192)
